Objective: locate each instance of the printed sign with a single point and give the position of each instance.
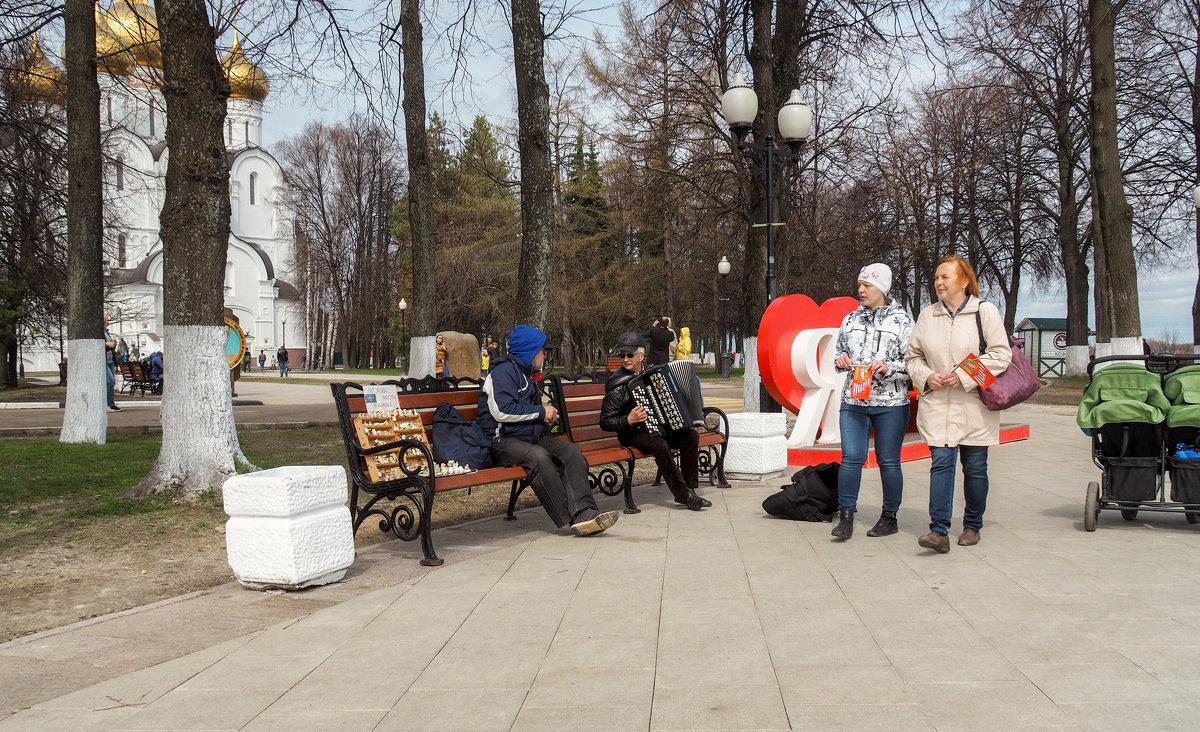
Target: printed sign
(381, 397)
(977, 371)
(860, 383)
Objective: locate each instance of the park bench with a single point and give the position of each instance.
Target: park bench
(579, 400)
(403, 498)
(135, 377)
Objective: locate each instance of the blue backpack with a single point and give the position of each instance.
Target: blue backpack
(458, 439)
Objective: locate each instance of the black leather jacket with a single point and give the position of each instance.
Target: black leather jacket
(618, 403)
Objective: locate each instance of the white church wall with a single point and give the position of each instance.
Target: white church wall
(133, 212)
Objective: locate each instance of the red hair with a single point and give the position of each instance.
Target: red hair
(967, 272)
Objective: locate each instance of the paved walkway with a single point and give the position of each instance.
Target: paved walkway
(724, 619)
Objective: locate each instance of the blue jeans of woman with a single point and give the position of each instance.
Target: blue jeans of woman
(856, 424)
(941, 486)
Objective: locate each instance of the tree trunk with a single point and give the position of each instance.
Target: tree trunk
(85, 418)
(1116, 215)
(754, 266)
(537, 179)
(1196, 146)
(420, 195)
(200, 445)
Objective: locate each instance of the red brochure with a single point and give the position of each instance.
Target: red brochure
(977, 371)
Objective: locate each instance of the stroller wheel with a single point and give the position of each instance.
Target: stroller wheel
(1192, 517)
(1091, 506)
(1129, 514)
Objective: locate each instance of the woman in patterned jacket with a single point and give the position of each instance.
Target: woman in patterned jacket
(872, 344)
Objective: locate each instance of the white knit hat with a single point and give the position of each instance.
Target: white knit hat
(877, 274)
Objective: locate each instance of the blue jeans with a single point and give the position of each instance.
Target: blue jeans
(890, 424)
(941, 486)
(111, 383)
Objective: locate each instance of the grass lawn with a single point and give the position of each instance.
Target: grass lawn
(29, 390)
(48, 488)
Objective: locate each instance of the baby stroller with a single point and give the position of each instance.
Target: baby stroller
(1144, 419)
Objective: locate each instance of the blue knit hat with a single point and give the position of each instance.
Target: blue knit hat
(524, 343)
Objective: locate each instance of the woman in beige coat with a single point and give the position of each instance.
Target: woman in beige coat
(950, 415)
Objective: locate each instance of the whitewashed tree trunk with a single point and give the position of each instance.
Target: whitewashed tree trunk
(422, 356)
(1077, 361)
(200, 444)
(752, 378)
(85, 418)
(1127, 346)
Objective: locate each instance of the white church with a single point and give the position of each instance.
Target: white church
(133, 122)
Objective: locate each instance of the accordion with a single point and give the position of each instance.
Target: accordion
(670, 394)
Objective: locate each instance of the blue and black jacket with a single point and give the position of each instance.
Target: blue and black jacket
(510, 403)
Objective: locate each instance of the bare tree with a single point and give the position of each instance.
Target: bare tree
(422, 356)
(537, 178)
(1115, 214)
(200, 445)
(85, 418)
(1037, 51)
(33, 187)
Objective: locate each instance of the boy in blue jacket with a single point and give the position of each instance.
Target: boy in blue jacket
(512, 414)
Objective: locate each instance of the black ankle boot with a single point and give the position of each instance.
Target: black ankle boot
(885, 526)
(845, 527)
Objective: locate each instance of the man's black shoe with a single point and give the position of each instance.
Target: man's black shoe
(693, 501)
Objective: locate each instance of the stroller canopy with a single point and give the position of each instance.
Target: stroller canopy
(1123, 393)
(1182, 388)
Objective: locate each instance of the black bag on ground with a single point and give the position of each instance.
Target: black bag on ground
(458, 439)
(811, 496)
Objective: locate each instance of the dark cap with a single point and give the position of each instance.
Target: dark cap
(631, 340)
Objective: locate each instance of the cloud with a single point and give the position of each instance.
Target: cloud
(1164, 300)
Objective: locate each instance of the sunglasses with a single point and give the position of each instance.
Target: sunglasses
(623, 354)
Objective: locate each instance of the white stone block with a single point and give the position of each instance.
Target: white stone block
(757, 446)
(288, 527)
(286, 491)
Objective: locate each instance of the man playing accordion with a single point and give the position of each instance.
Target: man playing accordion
(620, 413)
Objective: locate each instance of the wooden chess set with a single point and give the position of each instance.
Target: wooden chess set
(380, 428)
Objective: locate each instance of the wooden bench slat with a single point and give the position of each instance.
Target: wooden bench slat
(481, 477)
(605, 455)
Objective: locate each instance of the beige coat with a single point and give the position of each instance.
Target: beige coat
(952, 417)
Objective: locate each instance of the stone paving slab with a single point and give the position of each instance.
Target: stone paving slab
(723, 619)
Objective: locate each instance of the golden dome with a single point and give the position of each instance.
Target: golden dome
(246, 79)
(39, 78)
(112, 53)
(135, 23)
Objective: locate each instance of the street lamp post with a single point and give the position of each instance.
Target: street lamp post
(739, 106)
(283, 322)
(403, 306)
(723, 269)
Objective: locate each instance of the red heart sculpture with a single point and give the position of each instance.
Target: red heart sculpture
(785, 317)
